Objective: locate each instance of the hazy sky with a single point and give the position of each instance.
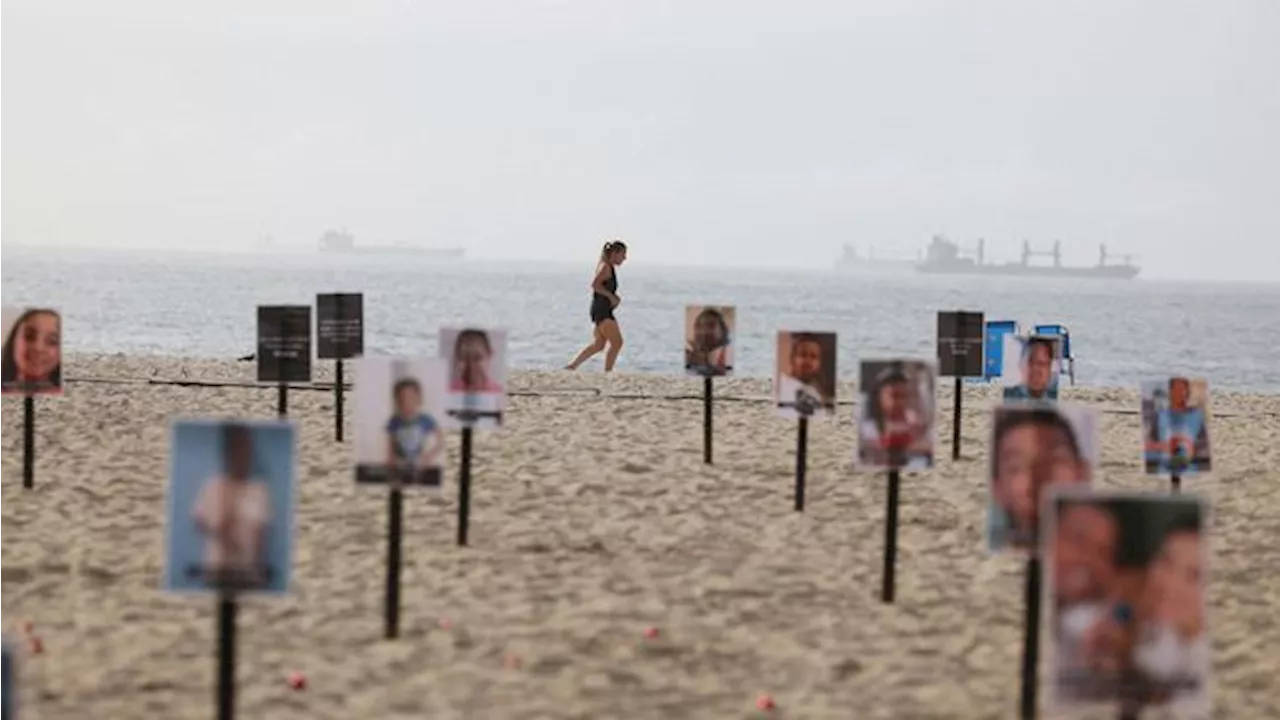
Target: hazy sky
(701, 130)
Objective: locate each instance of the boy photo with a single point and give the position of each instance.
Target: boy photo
(896, 414)
(398, 433)
(1034, 446)
(10, 688)
(708, 340)
(804, 382)
(477, 368)
(1175, 426)
(32, 360)
(230, 516)
(1125, 592)
(1031, 367)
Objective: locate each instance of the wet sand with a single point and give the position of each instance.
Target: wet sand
(592, 519)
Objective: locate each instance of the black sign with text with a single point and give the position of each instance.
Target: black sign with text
(284, 343)
(960, 343)
(339, 326)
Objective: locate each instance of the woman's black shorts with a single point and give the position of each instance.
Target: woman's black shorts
(601, 310)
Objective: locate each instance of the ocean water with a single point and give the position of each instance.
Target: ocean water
(203, 304)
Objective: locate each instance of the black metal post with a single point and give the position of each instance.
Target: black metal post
(395, 517)
(226, 657)
(888, 579)
(28, 442)
(338, 388)
(706, 419)
(802, 453)
(464, 487)
(955, 419)
(1031, 639)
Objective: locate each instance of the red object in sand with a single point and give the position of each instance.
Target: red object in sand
(765, 702)
(35, 645)
(651, 633)
(445, 624)
(511, 661)
(27, 627)
(297, 680)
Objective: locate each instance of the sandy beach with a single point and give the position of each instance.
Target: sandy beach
(593, 518)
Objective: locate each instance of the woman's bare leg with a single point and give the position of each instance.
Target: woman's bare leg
(597, 344)
(613, 336)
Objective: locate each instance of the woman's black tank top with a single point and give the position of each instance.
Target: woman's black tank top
(612, 283)
(601, 308)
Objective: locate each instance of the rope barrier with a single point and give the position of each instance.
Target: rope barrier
(567, 392)
(328, 387)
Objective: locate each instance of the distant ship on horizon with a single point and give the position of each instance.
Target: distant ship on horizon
(336, 241)
(851, 260)
(945, 257)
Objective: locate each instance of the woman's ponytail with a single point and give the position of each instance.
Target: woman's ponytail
(610, 248)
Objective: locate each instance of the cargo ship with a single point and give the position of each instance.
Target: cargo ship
(335, 241)
(852, 261)
(945, 257)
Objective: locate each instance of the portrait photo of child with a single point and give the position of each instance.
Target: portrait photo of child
(1125, 597)
(896, 414)
(230, 517)
(804, 381)
(1175, 426)
(398, 434)
(708, 340)
(1034, 446)
(1032, 365)
(32, 360)
(477, 368)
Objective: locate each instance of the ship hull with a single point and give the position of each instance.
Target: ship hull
(1107, 272)
(392, 251)
(896, 267)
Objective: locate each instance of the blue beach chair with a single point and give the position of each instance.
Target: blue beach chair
(994, 350)
(1068, 360)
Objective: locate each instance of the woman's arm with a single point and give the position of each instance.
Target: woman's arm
(597, 285)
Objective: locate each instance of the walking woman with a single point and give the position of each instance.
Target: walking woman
(604, 299)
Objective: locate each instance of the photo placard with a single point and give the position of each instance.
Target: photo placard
(709, 333)
(1175, 426)
(1034, 446)
(896, 416)
(1125, 597)
(284, 343)
(230, 506)
(477, 372)
(399, 431)
(961, 338)
(1032, 365)
(32, 361)
(804, 381)
(339, 326)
